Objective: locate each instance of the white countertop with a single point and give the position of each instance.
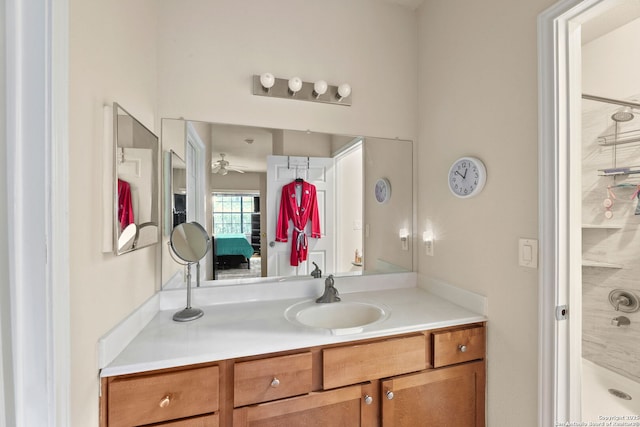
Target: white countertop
(241, 329)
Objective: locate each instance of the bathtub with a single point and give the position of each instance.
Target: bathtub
(598, 404)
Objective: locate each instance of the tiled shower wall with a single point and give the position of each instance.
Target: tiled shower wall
(611, 247)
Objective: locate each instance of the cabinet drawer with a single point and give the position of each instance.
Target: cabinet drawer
(359, 363)
(161, 397)
(205, 421)
(462, 345)
(342, 407)
(273, 378)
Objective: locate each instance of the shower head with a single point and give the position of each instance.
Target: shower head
(622, 115)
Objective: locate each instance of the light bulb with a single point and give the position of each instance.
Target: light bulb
(344, 90)
(295, 84)
(267, 80)
(319, 88)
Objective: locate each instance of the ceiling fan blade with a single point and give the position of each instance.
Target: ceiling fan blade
(235, 170)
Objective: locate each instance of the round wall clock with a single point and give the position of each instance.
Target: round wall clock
(383, 190)
(467, 177)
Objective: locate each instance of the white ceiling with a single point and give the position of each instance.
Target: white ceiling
(232, 140)
(604, 22)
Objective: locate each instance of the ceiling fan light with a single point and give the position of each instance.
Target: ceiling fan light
(223, 171)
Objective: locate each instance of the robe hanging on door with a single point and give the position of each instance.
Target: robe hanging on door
(299, 216)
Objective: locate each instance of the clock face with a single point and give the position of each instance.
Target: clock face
(383, 190)
(467, 177)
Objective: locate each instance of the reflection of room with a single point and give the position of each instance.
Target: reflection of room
(236, 232)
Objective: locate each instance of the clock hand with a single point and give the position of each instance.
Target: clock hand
(465, 174)
(459, 174)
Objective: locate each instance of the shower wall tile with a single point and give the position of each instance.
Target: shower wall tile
(612, 347)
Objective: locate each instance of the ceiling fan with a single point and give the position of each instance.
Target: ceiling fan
(222, 167)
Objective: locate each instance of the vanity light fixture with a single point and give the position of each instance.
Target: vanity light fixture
(344, 90)
(295, 88)
(404, 238)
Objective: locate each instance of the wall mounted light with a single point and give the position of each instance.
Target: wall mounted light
(267, 81)
(294, 84)
(344, 90)
(428, 239)
(319, 88)
(404, 238)
(295, 88)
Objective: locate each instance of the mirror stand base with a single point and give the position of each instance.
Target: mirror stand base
(188, 314)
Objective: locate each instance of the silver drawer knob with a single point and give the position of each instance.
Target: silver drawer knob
(389, 395)
(462, 348)
(368, 399)
(275, 382)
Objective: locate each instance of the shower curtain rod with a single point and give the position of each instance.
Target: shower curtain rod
(611, 100)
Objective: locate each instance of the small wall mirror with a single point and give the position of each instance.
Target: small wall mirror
(136, 188)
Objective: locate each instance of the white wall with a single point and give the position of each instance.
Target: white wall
(349, 223)
(478, 96)
(112, 57)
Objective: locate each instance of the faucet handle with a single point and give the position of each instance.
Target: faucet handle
(328, 282)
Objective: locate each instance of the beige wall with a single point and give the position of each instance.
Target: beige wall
(105, 65)
(210, 50)
(478, 96)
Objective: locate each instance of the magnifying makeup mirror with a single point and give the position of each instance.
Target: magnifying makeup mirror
(190, 243)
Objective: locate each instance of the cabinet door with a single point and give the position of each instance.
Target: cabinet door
(335, 408)
(447, 397)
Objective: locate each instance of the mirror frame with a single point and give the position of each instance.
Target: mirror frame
(155, 212)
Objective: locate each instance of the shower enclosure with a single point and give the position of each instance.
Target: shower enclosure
(610, 284)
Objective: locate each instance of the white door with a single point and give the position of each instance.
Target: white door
(319, 171)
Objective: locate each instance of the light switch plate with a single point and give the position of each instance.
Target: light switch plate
(528, 253)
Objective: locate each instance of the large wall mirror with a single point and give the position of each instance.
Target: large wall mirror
(136, 188)
(334, 210)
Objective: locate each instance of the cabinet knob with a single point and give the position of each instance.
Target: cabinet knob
(275, 382)
(166, 401)
(462, 348)
(368, 399)
(390, 395)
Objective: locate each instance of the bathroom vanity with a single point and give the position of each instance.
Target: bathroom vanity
(246, 365)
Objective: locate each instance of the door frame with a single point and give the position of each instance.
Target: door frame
(559, 95)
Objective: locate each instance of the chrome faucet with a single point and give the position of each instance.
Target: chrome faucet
(316, 273)
(330, 292)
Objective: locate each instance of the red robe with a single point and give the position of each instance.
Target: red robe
(125, 207)
(299, 215)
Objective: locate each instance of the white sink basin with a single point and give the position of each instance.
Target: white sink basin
(344, 317)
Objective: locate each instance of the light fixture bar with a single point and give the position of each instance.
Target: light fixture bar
(280, 89)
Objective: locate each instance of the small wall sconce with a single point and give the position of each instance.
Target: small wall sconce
(427, 238)
(404, 238)
(295, 88)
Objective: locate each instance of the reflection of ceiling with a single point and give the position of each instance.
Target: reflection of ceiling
(606, 21)
(231, 140)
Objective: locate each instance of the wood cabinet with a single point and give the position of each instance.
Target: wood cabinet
(430, 378)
